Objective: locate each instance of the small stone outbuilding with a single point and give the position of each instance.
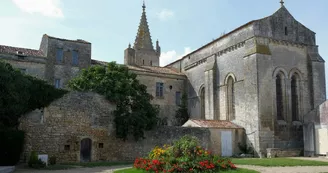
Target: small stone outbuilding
(225, 135)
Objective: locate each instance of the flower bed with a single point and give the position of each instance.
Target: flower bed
(184, 155)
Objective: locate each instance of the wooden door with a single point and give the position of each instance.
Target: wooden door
(85, 152)
(226, 143)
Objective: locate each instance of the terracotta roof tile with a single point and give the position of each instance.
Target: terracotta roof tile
(97, 62)
(23, 51)
(216, 124)
(155, 69)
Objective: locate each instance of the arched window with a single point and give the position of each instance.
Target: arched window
(295, 97)
(230, 99)
(202, 103)
(279, 97)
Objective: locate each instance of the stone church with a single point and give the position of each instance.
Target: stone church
(265, 76)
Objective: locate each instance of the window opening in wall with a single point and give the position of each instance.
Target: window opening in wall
(159, 89)
(286, 31)
(178, 98)
(57, 83)
(295, 98)
(151, 63)
(143, 62)
(279, 98)
(230, 99)
(75, 57)
(101, 145)
(59, 55)
(67, 147)
(170, 87)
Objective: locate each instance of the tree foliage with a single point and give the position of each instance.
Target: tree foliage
(134, 113)
(20, 94)
(182, 114)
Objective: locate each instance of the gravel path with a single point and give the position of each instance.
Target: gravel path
(295, 169)
(76, 170)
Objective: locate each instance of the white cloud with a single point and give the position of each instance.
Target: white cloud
(170, 56)
(49, 8)
(165, 14)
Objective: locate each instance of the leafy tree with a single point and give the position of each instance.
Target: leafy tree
(182, 114)
(134, 113)
(20, 94)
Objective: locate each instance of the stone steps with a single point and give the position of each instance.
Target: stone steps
(7, 169)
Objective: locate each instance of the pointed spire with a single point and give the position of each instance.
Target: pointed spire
(143, 39)
(282, 3)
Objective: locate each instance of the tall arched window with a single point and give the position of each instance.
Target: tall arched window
(202, 103)
(279, 97)
(230, 99)
(295, 97)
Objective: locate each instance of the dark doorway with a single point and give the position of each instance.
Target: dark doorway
(85, 155)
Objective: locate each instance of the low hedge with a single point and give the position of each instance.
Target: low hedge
(11, 146)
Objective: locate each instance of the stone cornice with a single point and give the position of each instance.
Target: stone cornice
(218, 54)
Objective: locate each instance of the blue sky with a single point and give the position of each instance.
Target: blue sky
(180, 25)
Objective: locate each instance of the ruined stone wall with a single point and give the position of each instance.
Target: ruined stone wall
(58, 130)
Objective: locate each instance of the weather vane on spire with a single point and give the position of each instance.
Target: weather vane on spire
(282, 2)
(143, 5)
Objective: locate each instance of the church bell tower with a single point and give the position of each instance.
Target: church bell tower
(143, 52)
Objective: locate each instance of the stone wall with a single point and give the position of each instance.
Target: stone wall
(34, 66)
(58, 130)
(65, 70)
(278, 152)
(167, 103)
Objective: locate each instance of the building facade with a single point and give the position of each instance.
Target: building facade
(265, 76)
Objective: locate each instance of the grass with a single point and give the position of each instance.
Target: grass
(239, 170)
(278, 162)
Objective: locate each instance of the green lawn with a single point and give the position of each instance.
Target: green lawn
(239, 170)
(278, 162)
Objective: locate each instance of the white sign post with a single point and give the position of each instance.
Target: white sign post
(43, 158)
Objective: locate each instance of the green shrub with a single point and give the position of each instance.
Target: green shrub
(52, 160)
(34, 162)
(185, 155)
(11, 146)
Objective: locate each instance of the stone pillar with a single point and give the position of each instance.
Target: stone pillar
(309, 139)
(209, 88)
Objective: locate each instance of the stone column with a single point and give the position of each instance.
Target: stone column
(209, 88)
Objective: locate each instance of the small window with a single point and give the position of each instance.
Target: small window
(75, 57)
(101, 145)
(151, 63)
(59, 56)
(67, 147)
(178, 98)
(159, 89)
(57, 83)
(286, 31)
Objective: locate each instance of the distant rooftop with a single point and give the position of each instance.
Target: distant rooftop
(20, 51)
(62, 39)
